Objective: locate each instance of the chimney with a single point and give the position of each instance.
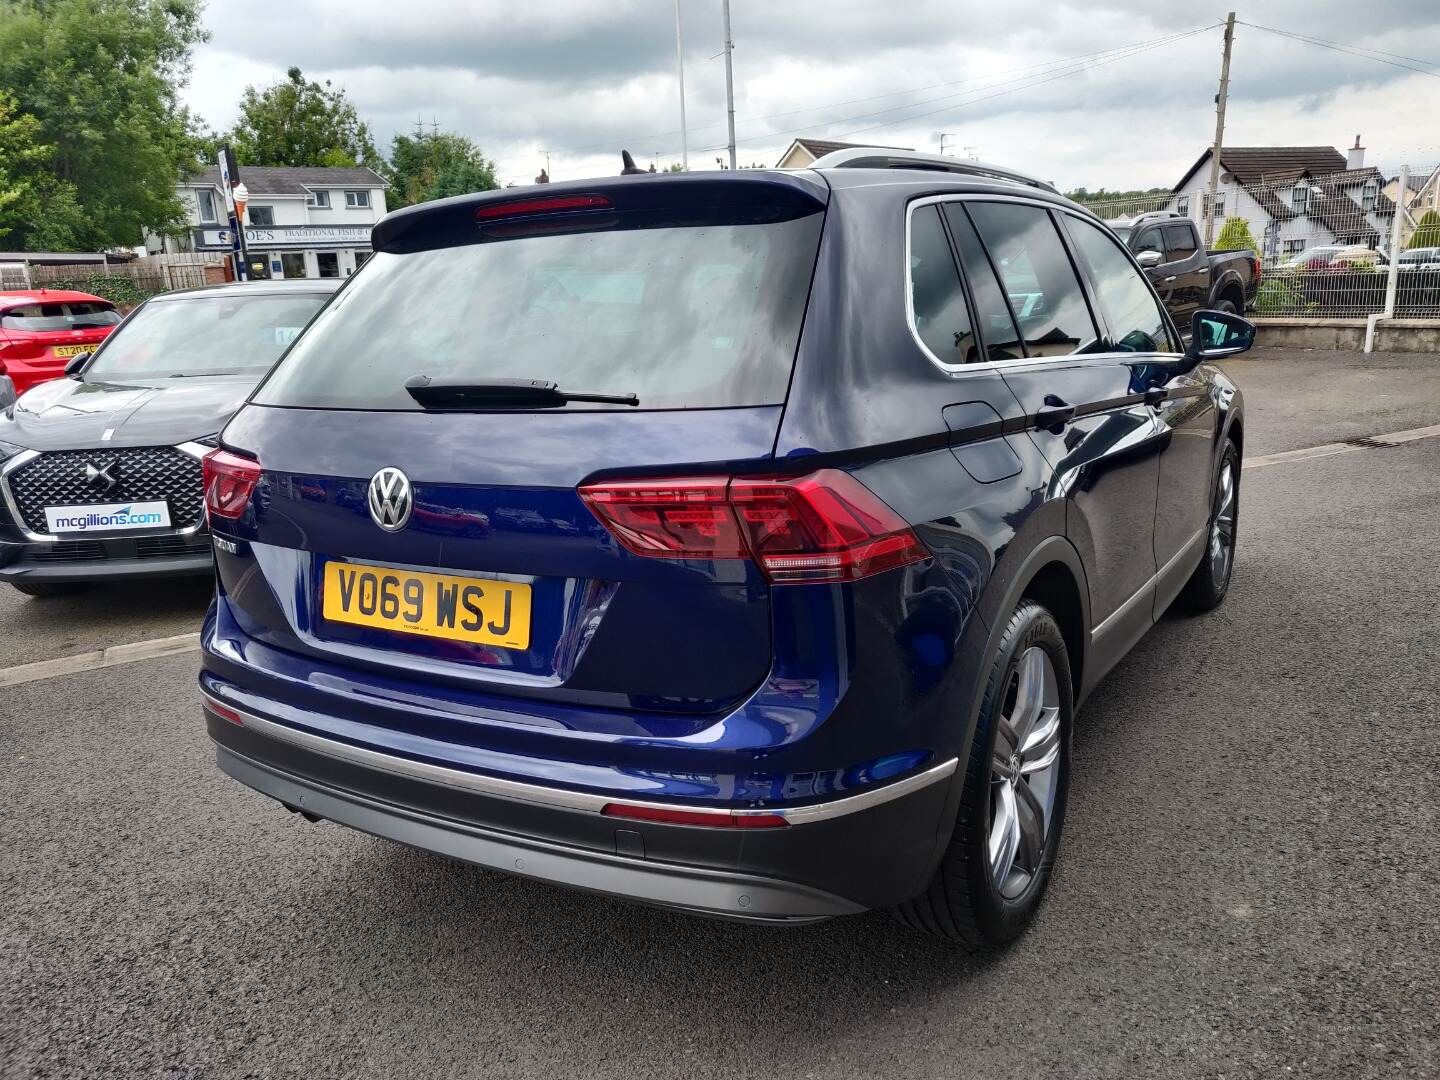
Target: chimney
(1355, 159)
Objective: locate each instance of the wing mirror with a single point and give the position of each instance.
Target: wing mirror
(1149, 258)
(72, 369)
(7, 393)
(1217, 334)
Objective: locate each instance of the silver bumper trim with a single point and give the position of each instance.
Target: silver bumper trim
(561, 797)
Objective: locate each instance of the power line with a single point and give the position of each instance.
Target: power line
(1053, 69)
(1362, 52)
(1013, 86)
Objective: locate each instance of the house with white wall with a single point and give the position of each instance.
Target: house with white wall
(299, 222)
(1293, 197)
(802, 153)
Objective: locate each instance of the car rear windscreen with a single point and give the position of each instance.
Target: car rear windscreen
(47, 317)
(684, 317)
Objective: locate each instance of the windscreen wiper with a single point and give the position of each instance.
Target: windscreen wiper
(435, 393)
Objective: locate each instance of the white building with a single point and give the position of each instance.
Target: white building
(1293, 197)
(802, 153)
(300, 222)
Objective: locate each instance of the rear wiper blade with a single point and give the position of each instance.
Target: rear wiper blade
(501, 394)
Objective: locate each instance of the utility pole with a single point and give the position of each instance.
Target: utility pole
(1220, 100)
(943, 136)
(729, 79)
(680, 78)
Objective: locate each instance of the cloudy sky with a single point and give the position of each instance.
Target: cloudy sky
(1099, 93)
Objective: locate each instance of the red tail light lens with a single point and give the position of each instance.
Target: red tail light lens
(229, 482)
(825, 527)
(715, 820)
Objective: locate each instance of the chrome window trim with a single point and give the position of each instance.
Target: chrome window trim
(499, 787)
(195, 450)
(1019, 363)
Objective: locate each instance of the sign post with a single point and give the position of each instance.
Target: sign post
(229, 180)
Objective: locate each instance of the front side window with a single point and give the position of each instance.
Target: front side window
(1037, 276)
(261, 215)
(683, 316)
(1179, 242)
(357, 200)
(1137, 323)
(205, 202)
(222, 334)
(1150, 240)
(941, 318)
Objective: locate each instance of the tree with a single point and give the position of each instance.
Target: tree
(1235, 235)
(1427, 233)
(436, 165)
(295, 122)
(100, 80)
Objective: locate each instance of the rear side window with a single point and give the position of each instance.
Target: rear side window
(997, 325)
(1037, 276)
(941, 318)
(682, 316)
(1135, 318)
(76, 315)
(1179, 242)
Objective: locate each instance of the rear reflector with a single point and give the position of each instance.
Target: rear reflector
(224, 713)
(229, 482)
(719, 820)
(824, 527)
(548, 205)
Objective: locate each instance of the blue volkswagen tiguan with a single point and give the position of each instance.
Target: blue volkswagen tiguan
(740, 542)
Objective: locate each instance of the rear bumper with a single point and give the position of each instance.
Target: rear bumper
(836, 857)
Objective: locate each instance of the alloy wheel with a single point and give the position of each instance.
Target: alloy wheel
(1025, 773)
(1222, 527)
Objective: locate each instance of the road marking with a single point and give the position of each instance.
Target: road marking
(102, 658)
(1372, 442)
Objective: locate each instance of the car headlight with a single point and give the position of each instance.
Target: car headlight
(9, 450)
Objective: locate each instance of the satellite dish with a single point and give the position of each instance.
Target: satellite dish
(1226, 177)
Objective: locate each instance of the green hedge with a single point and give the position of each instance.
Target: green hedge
(121, 291)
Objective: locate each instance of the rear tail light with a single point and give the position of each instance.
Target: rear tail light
(22, 349)
(717, 819)
(824, 527)
(229, 482)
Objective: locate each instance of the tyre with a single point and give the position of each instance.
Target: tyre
(44, 588)
(997, 865)
(1210, 582)
(1227, 305)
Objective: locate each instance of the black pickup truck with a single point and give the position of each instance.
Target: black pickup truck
(1187, 277)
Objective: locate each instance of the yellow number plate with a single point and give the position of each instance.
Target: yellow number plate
(73, 350)
(481, 610)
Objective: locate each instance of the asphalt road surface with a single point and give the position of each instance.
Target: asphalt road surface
(1249, 883)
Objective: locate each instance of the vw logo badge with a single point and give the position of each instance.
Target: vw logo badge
(390, 499)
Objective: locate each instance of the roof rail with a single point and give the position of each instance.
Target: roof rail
(868, 157)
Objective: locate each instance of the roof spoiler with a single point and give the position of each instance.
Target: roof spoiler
(867, 157)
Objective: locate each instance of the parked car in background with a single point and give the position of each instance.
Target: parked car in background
(1426, 258)
(1188, 277)
(42, 330)
(100, 474)
(741, 542)
(1337, 257)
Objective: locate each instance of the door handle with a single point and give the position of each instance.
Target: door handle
(1169, 279)
(1054, 414)
(1155, 395)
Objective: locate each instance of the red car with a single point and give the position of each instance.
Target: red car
(41, 330)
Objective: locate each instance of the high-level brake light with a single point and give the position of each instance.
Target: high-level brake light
(547, 205)
(824, 527)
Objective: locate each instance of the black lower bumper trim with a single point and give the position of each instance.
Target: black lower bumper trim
(696, 889)
(196, 565)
